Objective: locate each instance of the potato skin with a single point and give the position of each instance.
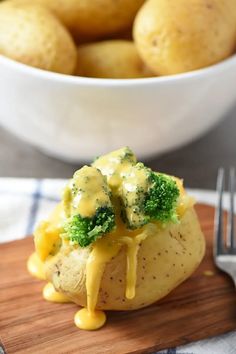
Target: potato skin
(32, 35)
(179, 36)
(117, 59)
(165, 260)
(93, 18)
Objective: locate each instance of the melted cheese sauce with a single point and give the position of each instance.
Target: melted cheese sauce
(36, 267)
(133, 244)
(45, 238)
(86, 192)
(130, 193)
(85, 319)
(185, 201)
(50, 294)
(47, 234)
(115, 165)
(103, 251)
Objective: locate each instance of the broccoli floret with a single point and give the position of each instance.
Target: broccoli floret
(84, 230)
(116, 183)
(161, 199)
(87, 206)
(132, 194)
(147, 196)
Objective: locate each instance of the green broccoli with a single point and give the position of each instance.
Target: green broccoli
(161, 199)
(84, 230)
(141, 195)
(147, 196)
(88, 207)
(132, 193)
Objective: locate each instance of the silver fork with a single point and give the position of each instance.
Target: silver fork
(225, 252)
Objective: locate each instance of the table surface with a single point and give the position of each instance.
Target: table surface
(197, 163)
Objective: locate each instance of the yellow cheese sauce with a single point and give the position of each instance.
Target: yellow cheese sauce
(85, 319)
(50, 294)
(103, 251)
(133, 244)
(115, 165)
(47, 234)
(36, 267)
(86, 192)
(46, 237)
(185, 201)
(128, 189)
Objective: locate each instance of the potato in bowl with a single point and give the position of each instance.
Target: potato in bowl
(88, 19)
(31, 35)
(122, 238)
(115, 59)
(181, 36)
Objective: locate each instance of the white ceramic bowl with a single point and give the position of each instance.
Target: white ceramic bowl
(77, 118)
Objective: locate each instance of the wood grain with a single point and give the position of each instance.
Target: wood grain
(201, 307)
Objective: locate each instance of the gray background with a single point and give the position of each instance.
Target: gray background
(197, 163)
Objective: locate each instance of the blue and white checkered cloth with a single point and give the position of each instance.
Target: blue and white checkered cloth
(30, 200)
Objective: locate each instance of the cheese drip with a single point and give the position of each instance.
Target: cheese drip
(36, 267)
(133, 244)
(90, 321)
(103, 251)
(50, 294)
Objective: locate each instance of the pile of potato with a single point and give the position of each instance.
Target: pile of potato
(93, 38)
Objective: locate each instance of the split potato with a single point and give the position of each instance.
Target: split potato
(32, 35)
(117, 59)
(166, 258)
(93, 18)
(179, 36)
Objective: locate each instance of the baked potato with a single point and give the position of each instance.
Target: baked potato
(165, 259)
(122, 238)
(32, 35)
(179, 36)
(93, 19)
(117, 59)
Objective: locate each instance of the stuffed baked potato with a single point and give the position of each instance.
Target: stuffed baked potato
(122, 238)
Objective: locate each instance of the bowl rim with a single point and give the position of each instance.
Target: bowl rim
(100, 82)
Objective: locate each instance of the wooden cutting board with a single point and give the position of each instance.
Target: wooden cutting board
(201, 307)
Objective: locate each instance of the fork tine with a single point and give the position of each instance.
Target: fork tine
(219, 235)
(230, 226)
